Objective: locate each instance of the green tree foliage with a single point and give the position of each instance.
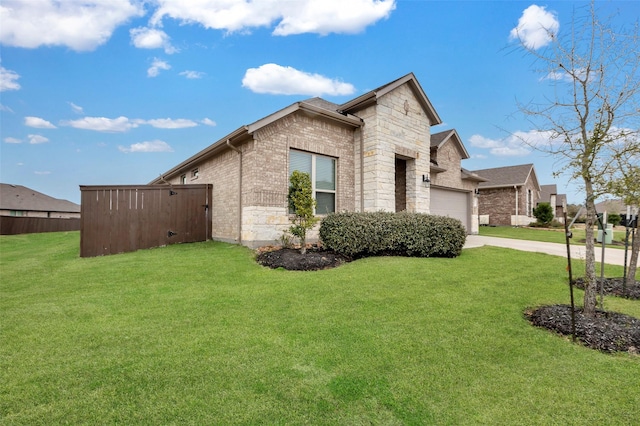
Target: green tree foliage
(302, 203)
(544, 213)
(614, 219)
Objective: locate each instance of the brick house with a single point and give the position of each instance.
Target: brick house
(18, 200)
(508, 196)
(549, 194)
(372, 153)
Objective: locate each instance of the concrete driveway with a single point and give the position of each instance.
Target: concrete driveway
(612, 256)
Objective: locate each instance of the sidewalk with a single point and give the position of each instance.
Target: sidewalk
(612, 256)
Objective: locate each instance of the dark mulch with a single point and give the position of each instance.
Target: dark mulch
(291, 259)
(607, 332)
(614, 287)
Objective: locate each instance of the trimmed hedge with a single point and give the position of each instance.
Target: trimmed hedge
(400, 234)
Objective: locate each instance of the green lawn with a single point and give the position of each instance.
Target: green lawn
(545, 235)
(201, 334)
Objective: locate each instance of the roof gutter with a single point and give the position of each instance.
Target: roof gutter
(210, 150)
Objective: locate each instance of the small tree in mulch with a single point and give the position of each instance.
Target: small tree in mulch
(302, 203)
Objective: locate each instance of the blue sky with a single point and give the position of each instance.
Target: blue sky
(116, 92)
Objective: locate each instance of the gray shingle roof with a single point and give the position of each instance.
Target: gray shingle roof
(18, 197)
(546, 191)
(322, 103)
(611, 206)
(505, 176)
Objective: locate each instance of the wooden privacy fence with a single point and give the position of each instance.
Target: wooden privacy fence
(118, 219)
(12, 225)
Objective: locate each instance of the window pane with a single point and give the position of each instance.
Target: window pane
(325, 173)
(300, 161)
(326, 202)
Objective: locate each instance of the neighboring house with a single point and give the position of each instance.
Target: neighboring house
(372, 153)
(549, 194)
(452, 187)
(18, 200)
(617, 206)
(508, 196)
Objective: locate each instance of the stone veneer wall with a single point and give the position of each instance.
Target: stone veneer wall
(390, 130)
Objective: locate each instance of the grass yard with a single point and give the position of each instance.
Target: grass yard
(548, 235)
(201, 334)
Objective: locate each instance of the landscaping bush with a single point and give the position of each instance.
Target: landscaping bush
(401, 234)
(543, 213)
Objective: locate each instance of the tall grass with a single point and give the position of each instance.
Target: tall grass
(201, 334)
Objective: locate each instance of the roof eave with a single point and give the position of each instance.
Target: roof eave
(372, 97)
(205, 153)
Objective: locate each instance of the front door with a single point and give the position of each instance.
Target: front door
(401, 184)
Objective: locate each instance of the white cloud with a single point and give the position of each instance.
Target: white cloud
(102, 124)
(168, 123)
(77, 109)
(5, 108)
(156, 66)
(151, 38)
(278, 80)
(293, 17)
(535, 27)
(331, 16)
(36, 139)
(42, 173)
(79, 25)
(12, 140)
(565, 76)
(38, 123)
(7, 77)
(192, 74)
(208, 122)
(148, 146)
(517, 144)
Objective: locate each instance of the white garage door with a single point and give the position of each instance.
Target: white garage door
(452, 204)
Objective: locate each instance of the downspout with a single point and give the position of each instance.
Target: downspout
(362, 167)
(516, 188)
(239, 191)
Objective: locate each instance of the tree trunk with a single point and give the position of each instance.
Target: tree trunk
(633, 265)
(303, 245)
(590, 283)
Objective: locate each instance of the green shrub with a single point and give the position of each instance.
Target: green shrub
(614, 219)
(544, 213)
(401, 234)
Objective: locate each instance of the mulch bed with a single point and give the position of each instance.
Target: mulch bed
(314, 259)
(614, 286)
(606, 332)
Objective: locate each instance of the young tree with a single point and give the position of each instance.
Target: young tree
(626, 184)
(544, 213)
(302, 203)
(593, 109)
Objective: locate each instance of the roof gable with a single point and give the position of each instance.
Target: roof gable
(371, 97)
(500, 177)
(18, 197)
(441, 138)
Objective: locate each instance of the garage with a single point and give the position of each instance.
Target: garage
(455, 204)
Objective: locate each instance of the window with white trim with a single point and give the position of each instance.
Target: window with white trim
(322, 170)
